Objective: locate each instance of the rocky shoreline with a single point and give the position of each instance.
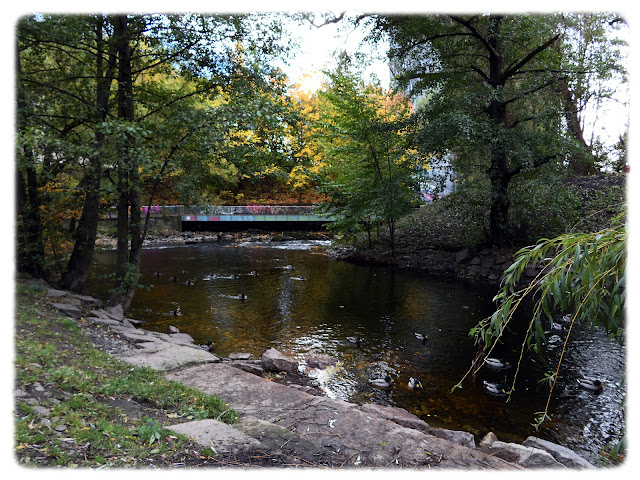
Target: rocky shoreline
(485, 266)
(291, 418)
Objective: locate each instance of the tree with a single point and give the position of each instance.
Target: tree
(593, 53)
(63, 85)
(104, 139)
(492, 79)
(366, 140)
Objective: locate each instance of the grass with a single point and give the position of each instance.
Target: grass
(90, 409)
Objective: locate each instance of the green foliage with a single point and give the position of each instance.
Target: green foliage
(151, 431)
(542, 206)
(367, 143)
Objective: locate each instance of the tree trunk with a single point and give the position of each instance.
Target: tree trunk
(30, 241)
(75, 275)
(127, 267)
(497, 112)
(582, 162)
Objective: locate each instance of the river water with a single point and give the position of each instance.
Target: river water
(299, 301)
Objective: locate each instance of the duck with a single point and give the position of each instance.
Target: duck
(381, 382)
(173, 279)
(592, 385)
(566, 318)
(415, 384)
(354, 340)
(422, 336)
(556, 326)
(157, 274)
(497, 362)
(253, 273)
(185, 272)
(209, 346)
(494, 388)
(190, 283)
(175, 312)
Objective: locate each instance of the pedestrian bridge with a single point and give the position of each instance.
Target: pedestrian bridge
(225, 218)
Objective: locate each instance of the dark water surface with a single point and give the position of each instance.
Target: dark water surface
(301, 302)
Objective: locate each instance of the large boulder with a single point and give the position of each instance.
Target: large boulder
(529, 457)
(274, 361)
(320, 361)
(565, 456)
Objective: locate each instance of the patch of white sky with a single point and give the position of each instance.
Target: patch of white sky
(319, 47)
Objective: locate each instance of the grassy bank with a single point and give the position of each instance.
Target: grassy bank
(76, 405)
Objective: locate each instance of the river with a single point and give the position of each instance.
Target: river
(299, 301)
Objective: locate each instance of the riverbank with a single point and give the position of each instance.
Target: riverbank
(446, 238)
(93, 390)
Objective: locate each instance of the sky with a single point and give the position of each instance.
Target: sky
(317, 46)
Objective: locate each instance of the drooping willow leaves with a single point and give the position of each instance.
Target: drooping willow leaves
(582, 275)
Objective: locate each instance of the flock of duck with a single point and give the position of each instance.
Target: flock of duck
(496, 388)
(496, 364)
(214, 276)
(385, 382)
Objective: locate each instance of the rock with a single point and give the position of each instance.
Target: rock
(116, 313)
(475, 261)
(103, 321)
(135, 323)
(462, 255)
(274, 361)
(54, 293)
(240, 356)
(249, 367)
(306, 389)
(72, 311)
(529, 457)
(531, 272)
(565, 456)
(218, 436)
(166, 356)
(485, 251)
(488, 439)
(87, 301)
(321, 361)
(127, 323)
(42, 411)
(173, 329)
(182, 337)
(397, 415)
(465, 439)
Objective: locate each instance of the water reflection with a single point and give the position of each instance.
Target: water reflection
(246, 297)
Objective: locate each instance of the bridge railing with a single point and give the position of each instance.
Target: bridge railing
(212, 210)
(252, 210)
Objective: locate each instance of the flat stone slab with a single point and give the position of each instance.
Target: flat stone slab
(397, 415)
(340, 429)
(165, 356)
(218, 436)
(72, 311)
(240, 356)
